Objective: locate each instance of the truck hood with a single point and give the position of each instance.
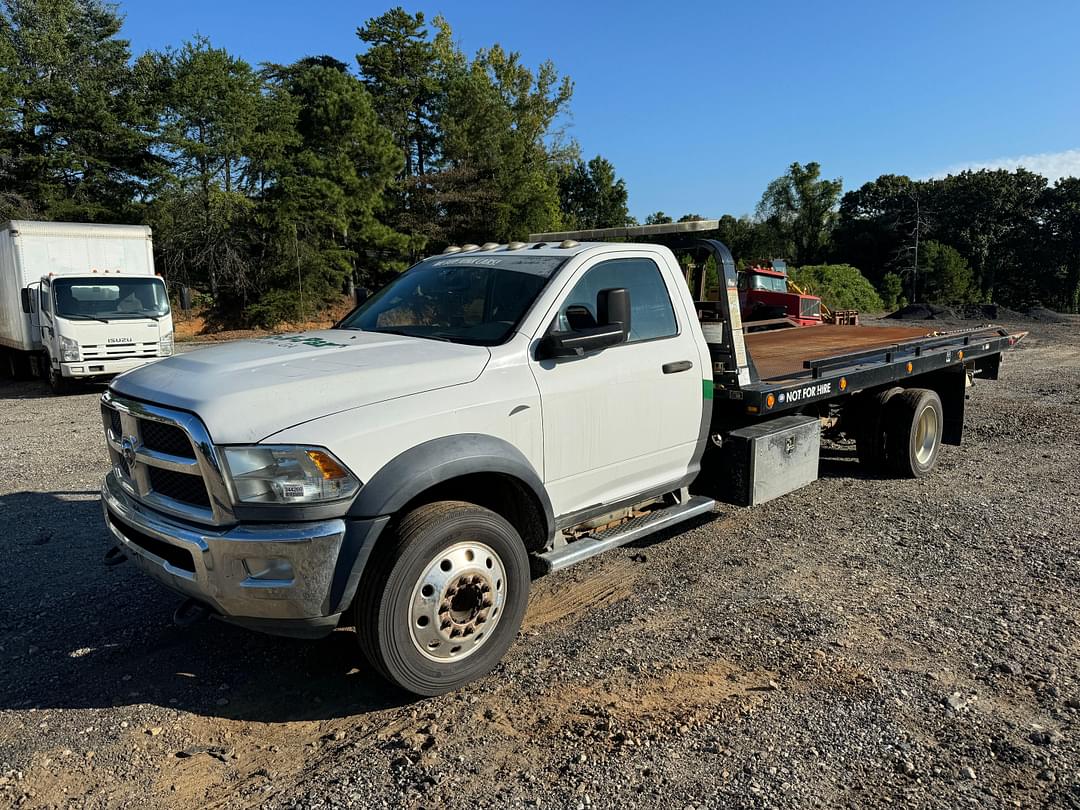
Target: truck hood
(246, 391)
(121, 332)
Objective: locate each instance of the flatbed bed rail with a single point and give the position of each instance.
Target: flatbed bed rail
(839, 375)
(736, 378)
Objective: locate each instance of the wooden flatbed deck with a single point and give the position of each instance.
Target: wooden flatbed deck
(781, 353)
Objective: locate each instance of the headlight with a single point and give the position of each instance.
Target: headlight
(165, 345)
(284, 474)
(69, 350)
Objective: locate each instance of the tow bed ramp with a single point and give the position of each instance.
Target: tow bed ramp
(780, 371)
(803, 370)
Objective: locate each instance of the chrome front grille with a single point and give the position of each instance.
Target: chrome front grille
(119, 351)
(166, 438)
(810, 307)
(165, 459)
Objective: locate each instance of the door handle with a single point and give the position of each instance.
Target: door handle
(675, 368)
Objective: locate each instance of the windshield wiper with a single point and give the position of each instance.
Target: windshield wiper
(408, 334)
(81, 317)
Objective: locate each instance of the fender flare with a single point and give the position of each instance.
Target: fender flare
(438, 460)
(417, 469)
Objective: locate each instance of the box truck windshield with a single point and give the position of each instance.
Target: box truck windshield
(110, 298)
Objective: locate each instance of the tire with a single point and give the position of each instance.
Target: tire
(58, 383)
(914, 422)
(442, 601)
(870, 430)
(17, 364)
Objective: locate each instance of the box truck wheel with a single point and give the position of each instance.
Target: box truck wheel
(870, 430)
(58, 383)
(17, 365)
(914, 421)
(441, 602)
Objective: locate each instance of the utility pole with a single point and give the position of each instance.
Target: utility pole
(915, 270)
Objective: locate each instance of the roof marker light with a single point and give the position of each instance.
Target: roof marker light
(489, 245)
(452, 249)
(515, 246)
(569, 243)
(469, 247)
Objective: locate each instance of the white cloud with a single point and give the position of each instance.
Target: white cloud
(1051, 165)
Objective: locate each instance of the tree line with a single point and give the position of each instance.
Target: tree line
(270, 188)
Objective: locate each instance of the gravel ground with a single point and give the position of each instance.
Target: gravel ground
(859, 643)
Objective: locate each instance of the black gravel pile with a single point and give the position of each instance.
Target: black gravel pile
(924, 312)
(1045, 315)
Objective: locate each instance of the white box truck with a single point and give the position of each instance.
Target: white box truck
(79, 301)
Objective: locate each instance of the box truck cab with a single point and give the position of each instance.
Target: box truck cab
(80, 301)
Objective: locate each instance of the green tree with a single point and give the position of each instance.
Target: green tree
(891, 288)
(321, 209)
(591, 196)
(211, 108)
(1057, 277)
(801, 208)
(658, 218)
(840, 286)
(399, 71)
(879, 221)
(993, 218)
(73, 144)
(750, 241)
(502, 157)
(945, 277)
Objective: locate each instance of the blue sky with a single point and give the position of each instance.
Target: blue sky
(700, 105)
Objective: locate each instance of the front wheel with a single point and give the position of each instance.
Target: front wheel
(440, 603)
(58, 383)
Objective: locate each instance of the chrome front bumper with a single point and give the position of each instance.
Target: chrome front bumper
(217, 575)
(103, 367)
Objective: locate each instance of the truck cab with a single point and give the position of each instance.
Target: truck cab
(764, 294)
(100, 325)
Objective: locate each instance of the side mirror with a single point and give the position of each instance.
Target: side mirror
(613, 309)
(25, 293)
(361, 294)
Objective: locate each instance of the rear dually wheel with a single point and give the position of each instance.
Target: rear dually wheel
(914, 422)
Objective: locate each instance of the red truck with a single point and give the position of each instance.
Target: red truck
(764, 295)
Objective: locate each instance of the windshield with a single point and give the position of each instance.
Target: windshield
(464, 299)
(110, 298)
(770, 283)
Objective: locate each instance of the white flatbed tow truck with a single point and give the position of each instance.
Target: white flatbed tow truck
(492, 413)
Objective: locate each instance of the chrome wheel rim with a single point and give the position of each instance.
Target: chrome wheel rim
(926, 435)
(457, 602)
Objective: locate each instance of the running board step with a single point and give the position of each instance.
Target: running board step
(628, 532)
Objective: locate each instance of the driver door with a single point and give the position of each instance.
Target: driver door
(624, 419)
(39, 320)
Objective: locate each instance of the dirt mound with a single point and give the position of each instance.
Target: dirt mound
(1046, 315)
(991, 312)
(923, 312)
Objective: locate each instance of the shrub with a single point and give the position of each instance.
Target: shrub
(840, 286)
(891, 289)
